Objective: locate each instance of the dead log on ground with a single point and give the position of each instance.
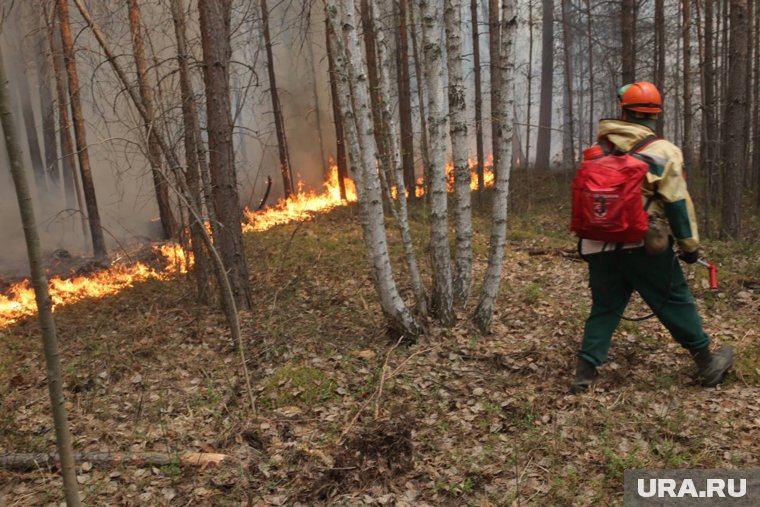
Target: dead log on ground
(33, 461)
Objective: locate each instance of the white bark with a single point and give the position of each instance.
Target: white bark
(458, 129)
(401, 214)
(351, 76)
(504, 116)
(442, 303)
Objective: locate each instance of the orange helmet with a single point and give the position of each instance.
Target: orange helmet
(643, 97)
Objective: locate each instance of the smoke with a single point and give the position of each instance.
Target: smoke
(300, 66)
(121, 178)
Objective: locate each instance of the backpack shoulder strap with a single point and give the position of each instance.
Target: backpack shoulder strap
(634, 151)
(640, 145)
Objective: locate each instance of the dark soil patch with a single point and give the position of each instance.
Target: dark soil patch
(375, 455)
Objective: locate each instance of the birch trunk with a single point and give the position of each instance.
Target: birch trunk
(529, 79)
(351, 76)
(688, 133)
(493, 55)
(160, 184)
(42, 296)
(458, 128)
(80, 134)
(484, 312)
(401, 215)
(442, 301)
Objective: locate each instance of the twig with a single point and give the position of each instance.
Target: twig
(351, 423)
(378, 391)
(382, 376)
(403, 363)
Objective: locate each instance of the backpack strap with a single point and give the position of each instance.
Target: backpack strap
(640, 145)
(634, 151)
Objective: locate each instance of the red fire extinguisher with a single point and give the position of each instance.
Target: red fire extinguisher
(713, 273)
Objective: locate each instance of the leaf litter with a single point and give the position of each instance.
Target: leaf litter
(349, 417)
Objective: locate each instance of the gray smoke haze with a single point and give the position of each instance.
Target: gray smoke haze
(116, 137)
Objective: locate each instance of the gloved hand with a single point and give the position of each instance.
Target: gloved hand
(689, 257)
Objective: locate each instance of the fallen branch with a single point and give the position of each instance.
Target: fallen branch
(263, 201)
(34, 461)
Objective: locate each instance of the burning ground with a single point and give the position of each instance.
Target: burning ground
(347, 417)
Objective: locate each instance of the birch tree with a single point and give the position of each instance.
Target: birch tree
(504, 115)
(401, 215)
(351, 77)
(688, 136)
(41, 294)
(458, 128)
(442, 301)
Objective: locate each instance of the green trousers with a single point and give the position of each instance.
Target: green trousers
(613, 276)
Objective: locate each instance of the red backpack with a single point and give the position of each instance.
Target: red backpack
(607, 201)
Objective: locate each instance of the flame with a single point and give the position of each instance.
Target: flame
(488, 178)
(301, 205)
(19, 300)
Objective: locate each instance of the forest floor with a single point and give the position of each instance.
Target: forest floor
(347, 417)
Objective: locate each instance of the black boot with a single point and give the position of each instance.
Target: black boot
(585, 374)
(712, 366)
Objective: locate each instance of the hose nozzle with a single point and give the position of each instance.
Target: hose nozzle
(713, 272)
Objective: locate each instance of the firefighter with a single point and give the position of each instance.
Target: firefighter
(650, 267)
